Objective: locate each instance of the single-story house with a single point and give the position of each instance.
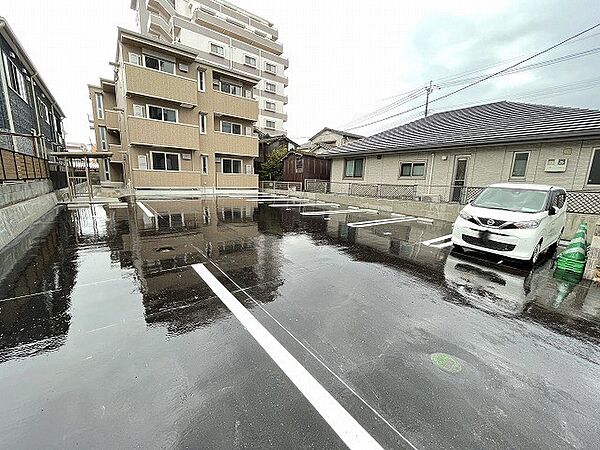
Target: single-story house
(477, 146)
(301, 165)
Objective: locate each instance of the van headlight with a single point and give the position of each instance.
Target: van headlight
(529, 224)
(465, 215)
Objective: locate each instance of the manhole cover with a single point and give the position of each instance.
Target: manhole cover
(446, 362)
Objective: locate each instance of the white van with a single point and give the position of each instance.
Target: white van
(518, 221)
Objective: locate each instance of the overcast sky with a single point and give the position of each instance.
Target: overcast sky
(347, 58)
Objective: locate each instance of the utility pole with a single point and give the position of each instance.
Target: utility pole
(429, 89)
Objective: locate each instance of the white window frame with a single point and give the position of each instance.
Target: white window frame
(201, 80)
(412, 164)
(269, 127)
(204, 164)
(99, 105)
(267, 64)
(202, 122)
(221, 46)
(106, 167)
(512, 166)
(141, 109)
(267, 84)
(165, 169)
(232, 159)
(135, 58)
(232, 123)
(44, 109)
(274, 108)
(103, 135)
(144, 56)
(250, 64)
(21, 88)
(248, 131)
(163, 108)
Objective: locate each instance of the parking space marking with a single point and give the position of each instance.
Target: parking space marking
(339, 211)
(338, 418)
(442, 245)
(278, 199)
(145, 209)
(437, 240)
(373, 223)
(296, 205)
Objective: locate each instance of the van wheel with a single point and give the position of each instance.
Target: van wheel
(535, 256)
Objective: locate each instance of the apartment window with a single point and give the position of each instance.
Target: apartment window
(299, 164)
(270, 87)
(203, 123)
(272, 68)
(103, 139)
(44, 113)
(152, 62)
(139, 110)
(248, 131)
(412, 169)
(160, 113)
(201, 80)
(16, 79)
(227, 87)
(250, 60)
(231, 165)
(270, 106)
(519, 167)
(248, 93)
(164, 161)
(270, 124)
(230, 127)
(354, 168)
(99, 106)
(248, 169)
(204, 164)
(135, 58)
(218, 50)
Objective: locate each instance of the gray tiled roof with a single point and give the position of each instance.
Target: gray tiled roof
(493, 123)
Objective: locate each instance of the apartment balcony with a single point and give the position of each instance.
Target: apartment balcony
(116, 150)
(166, 7)
(111, 118)
(229, 144)
(154, 83)
(157, 133)
(158, 24)
(167, 178)
(234, 106)
(235, 180)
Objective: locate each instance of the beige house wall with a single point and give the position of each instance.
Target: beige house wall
(486, 165)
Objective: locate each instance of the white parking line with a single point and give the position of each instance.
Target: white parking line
(339, 211)
(437, 240)
(443, 245)
(340, 420)
(296, 205)
(145, 209)
(387, 222)
(279, 199)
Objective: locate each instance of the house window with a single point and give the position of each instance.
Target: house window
(44, 114)
(412, 169)
(270, 87)
(231, 165)
(165, 161)
(228, 88)
(106, 169)
(354, 168)
(152, 62)
(204, 164)
(202, 123)
(103, 139)
(135, 58)
(16, 79)
(519, 164)
(139, 110)
(99, 106)
(299, 164)
(272, 68)
(248, 131)
(218, 50)
(250, 60)
(270, 124)
(230, 127)
(160, 113)
(270, 106)
(201, 80)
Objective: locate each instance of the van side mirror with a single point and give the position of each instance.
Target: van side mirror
(552, 211)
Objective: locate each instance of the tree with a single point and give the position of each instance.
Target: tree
(272, 168)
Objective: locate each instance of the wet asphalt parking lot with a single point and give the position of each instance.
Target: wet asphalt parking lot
(113, 336)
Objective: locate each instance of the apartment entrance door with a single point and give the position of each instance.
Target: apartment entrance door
(457, 189)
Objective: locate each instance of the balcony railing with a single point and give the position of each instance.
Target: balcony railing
(115, 149)
(111, 118)
(230, 144)
(237, 180)
(235, 106)
(158, 24)
(144, 131)
(167, 179)
(154, 83)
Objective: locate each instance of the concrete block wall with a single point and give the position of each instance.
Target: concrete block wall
(12, 193)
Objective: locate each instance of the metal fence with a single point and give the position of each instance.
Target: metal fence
(281, 185)
(583, 202)
(15, 166)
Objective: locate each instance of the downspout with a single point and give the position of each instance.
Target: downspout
(431, 173)
(36, 111)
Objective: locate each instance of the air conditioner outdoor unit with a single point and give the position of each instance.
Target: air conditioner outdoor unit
(433, 198)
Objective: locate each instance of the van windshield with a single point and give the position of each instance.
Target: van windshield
(512, 199)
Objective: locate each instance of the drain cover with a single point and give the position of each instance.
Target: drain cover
(446, 362)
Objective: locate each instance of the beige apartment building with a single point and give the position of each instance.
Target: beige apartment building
(174, 121)
(229, 38)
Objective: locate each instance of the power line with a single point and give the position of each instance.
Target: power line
(484, 78)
